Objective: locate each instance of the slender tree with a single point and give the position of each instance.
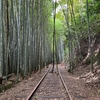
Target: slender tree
(1, 42)
(89, 36)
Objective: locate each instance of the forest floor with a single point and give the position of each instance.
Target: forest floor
(77, 86)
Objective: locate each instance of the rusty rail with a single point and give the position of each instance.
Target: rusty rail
(65, 86)
(36, 87)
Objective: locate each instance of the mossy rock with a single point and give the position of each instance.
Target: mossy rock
(5, 87)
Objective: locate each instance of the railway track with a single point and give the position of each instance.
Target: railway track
(50, 87)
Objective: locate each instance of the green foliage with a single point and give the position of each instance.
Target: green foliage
(97, 7)
(94, 8)
(59, 27)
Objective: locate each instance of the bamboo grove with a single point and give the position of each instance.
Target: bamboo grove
(81, 23)
(24, 45)
(35, 33)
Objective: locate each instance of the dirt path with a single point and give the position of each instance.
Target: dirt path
(21, 90)
(76, 86)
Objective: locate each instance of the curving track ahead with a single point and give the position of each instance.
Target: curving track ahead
(50, 87)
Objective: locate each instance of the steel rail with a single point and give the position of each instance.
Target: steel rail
(65, 86)
(36, 87)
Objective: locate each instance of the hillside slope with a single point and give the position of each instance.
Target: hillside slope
(83, 69)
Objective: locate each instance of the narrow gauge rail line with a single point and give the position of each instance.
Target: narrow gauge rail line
(66, 91)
